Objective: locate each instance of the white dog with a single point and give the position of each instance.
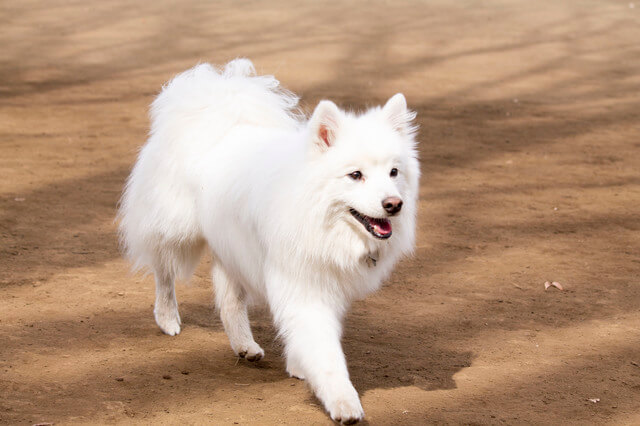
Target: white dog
(298, 214)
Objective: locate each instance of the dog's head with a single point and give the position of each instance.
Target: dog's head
(370, 166)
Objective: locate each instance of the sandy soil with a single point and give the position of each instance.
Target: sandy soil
(530, 146)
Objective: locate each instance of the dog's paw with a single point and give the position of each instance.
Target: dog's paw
(294, 371)
(168, 320)
(251, 352)
(346, 409)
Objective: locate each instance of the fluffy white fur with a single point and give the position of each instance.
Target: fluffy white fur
(231, 165)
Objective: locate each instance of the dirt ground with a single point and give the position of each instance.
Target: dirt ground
(530, 152)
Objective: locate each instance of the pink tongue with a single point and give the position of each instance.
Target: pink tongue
(382, 227)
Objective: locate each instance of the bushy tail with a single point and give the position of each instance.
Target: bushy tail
(234, 95)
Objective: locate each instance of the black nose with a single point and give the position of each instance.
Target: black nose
(392, 205)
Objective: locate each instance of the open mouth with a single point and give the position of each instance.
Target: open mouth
(379, 228)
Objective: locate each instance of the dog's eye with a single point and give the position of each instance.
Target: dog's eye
(394, 172)
(357, 175)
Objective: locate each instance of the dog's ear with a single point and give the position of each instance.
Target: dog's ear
(396, 112)
(324, 124)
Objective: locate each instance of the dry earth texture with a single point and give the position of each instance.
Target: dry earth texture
(530, 152)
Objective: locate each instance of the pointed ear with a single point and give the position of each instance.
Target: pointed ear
(324, 124)
(396, 112)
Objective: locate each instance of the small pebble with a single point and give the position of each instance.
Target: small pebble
(119, 379)
(166, 377)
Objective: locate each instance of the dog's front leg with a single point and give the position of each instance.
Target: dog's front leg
(312, 333)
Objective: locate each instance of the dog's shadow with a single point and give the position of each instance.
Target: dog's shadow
(389, 357)
(381, 351)
(380, 355)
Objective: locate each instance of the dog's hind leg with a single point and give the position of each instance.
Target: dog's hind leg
(166, 306)
(230, 301)
(171, 262)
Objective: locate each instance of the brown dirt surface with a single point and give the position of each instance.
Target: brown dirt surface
(530, 152)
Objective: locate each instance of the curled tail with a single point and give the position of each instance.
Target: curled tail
(232, 96)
